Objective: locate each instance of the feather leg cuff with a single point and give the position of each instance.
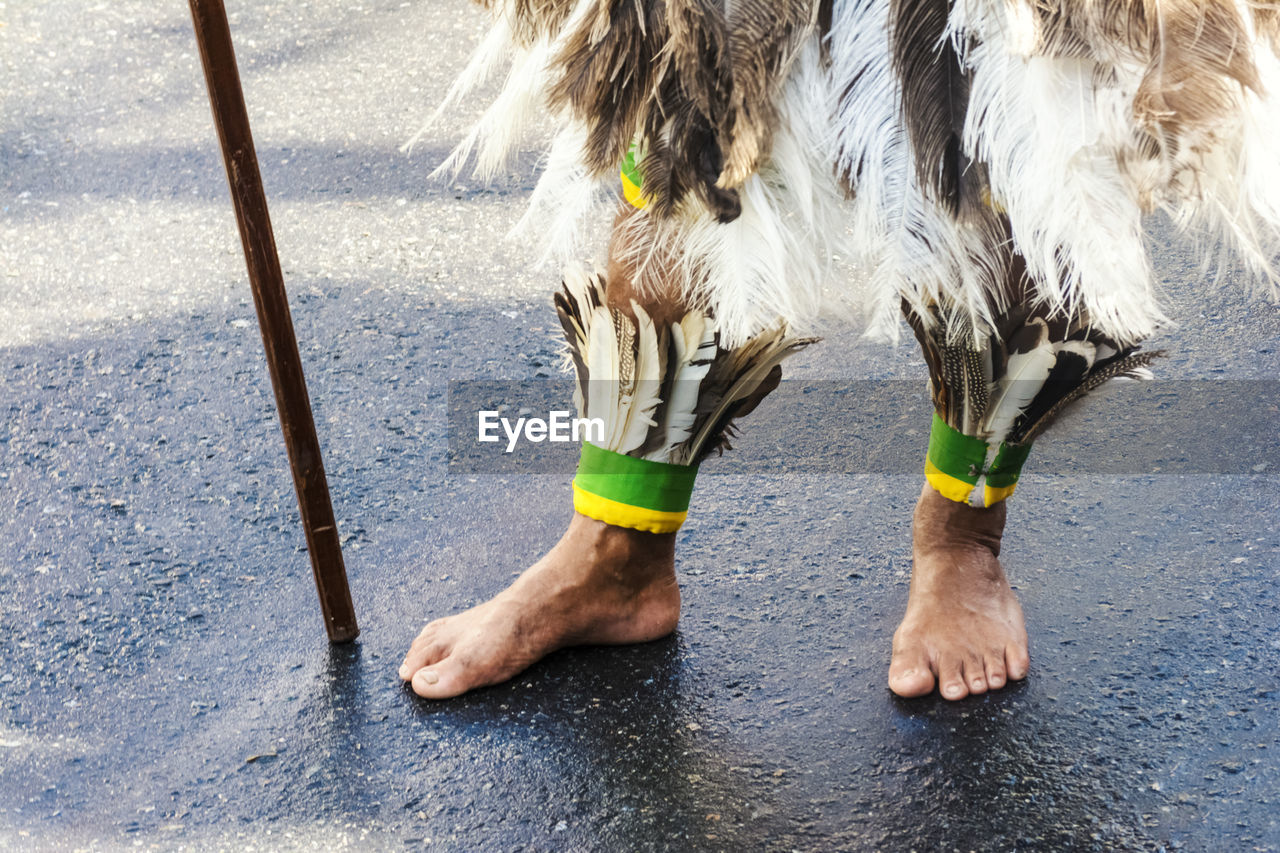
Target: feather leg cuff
(665, 397)
(993, 397)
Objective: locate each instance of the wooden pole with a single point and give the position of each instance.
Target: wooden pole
(213, 35)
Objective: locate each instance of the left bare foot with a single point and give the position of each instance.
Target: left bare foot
(599, 585)
(963, 629)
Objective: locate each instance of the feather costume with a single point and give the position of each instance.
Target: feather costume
(989, 162)
(967, 130)
(732, 106)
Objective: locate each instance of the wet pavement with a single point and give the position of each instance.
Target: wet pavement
(167, 684)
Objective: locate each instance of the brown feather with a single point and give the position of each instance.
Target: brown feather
(1200, 57)
(698, 85)
(935, 95)
(764, 40)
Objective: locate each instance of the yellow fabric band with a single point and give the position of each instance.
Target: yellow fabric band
(632, 193)
(949, 487)
(625, 515)
(958, 490)
(991, 497)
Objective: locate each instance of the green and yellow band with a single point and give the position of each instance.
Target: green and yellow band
(955, 463)
(633, 180)
(629, 492)
(1002, 478)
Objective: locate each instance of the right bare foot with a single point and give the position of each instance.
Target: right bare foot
(599, 585)
(963, 630)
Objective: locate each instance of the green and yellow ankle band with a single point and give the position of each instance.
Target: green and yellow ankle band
(633, 180)
(957, 463)
(629, 492)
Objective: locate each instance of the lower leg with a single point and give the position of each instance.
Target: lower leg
(963, 629)
(600, 584)
(614, 582)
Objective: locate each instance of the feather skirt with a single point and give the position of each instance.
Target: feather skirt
(933, 144)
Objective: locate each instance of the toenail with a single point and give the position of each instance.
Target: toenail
(404, 671)
(954, 689)
(427, 676)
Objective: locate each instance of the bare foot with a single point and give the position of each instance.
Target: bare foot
(963, 629)
(599, 585)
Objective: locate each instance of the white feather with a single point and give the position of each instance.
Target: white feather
(638, 408)
(604, 397)
(498, 130)
(689, 368)
(494, 49)
(1023, 379)
(1052, 165)
(566, 204)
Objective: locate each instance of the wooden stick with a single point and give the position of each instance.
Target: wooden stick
(229, 115)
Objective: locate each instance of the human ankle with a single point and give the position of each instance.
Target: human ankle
(632, 558)
(943, 523)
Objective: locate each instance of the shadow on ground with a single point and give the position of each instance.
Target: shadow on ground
(167, 679)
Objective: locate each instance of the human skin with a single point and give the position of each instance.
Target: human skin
(963, 630)
(602, 584)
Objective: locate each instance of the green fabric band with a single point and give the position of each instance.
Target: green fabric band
(633, 180)
(954, 453)
(658, 486)
(1007, 465)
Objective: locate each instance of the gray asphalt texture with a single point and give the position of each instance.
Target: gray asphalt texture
(167, 684)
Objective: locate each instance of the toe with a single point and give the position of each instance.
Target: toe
(951, 677)
(426, 681)
(445, 679)
(1016, 662)
(994, 664)
(420, 656)
(415, 651)
(909, 674)
(975, 674)
(427, 634)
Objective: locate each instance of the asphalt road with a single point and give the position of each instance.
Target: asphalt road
(167, 684)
